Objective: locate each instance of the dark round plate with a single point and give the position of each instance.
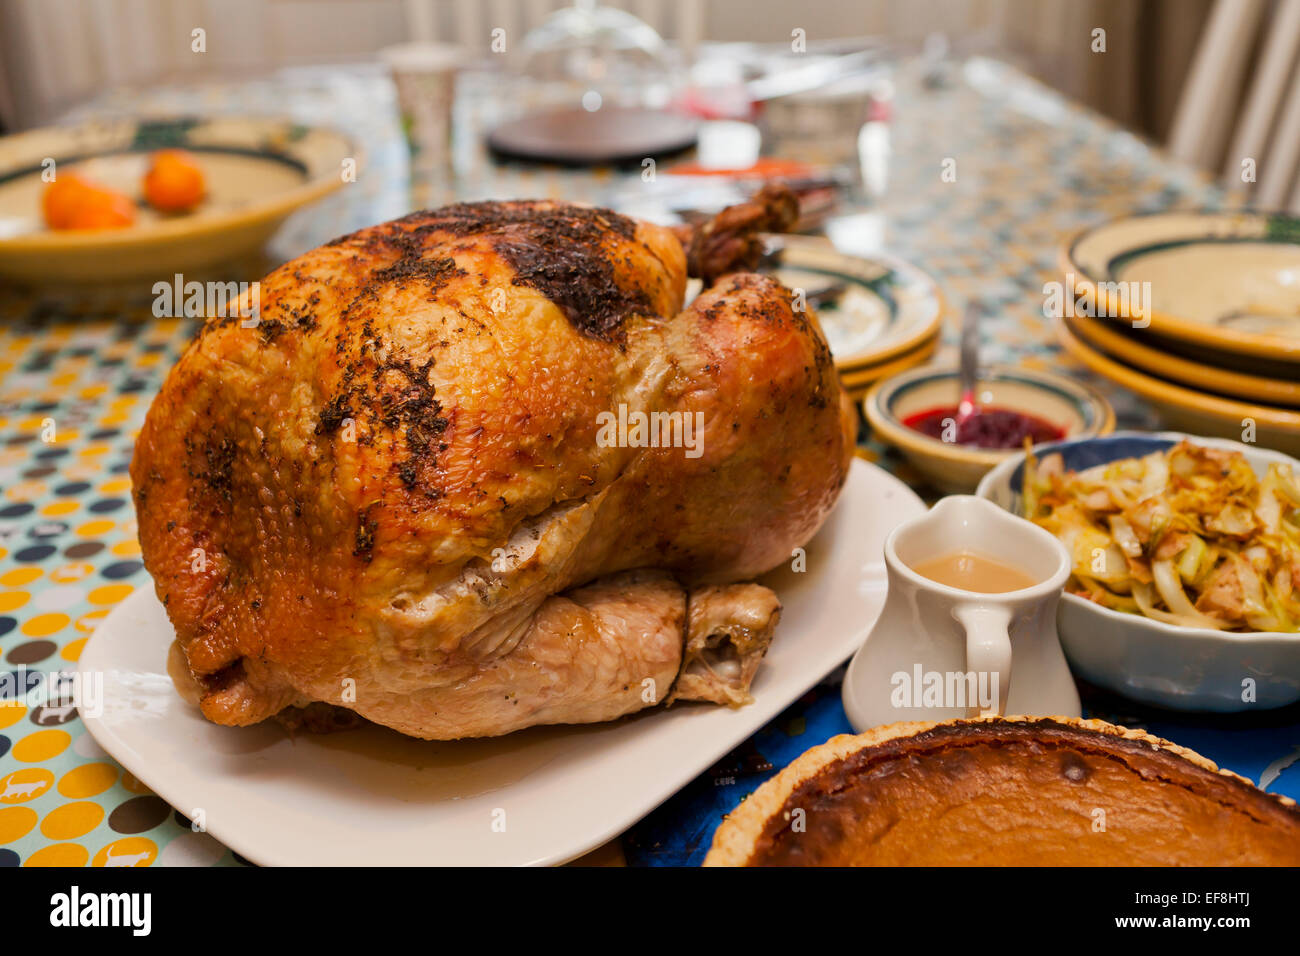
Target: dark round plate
(576, 137)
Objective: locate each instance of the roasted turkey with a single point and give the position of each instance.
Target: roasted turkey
(479, 469)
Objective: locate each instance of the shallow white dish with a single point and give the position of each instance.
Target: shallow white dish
(1181, 668)
(373, 797)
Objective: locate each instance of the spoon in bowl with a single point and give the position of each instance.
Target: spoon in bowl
(969, 369)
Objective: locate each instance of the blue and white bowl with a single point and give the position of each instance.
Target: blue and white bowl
(1182, 668)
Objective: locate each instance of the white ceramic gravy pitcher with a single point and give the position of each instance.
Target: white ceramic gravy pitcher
(940, 652)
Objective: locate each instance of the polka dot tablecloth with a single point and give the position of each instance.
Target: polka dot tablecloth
(77, 371)
(73, 395)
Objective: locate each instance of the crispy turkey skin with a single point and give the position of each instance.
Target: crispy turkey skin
(392, 492)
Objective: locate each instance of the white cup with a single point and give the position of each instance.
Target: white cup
(939, 652)
(425, 76)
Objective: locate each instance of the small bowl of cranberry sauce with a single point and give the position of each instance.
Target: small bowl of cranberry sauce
(917, 412)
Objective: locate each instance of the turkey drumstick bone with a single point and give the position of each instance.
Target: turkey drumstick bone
(730, 241)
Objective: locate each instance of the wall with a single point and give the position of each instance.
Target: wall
(54, 53)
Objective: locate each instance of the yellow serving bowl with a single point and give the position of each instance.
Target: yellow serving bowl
(258, 170)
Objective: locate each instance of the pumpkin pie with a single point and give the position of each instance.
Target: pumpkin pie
(1017, 791)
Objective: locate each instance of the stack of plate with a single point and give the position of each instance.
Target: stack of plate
(881, 315)
(1197, 312)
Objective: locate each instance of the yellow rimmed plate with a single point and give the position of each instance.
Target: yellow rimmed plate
(858, 380)
(258, 171)
(1129, 348)
(872, 308)
(1190, 410)
(1221, 283)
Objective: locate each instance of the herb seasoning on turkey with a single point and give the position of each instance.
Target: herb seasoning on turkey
(399, 497)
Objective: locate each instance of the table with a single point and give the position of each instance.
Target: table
(1031, 167)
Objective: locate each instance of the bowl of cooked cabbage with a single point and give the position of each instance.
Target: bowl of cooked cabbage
(1185, 583)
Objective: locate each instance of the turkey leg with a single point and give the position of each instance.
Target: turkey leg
(730, 241)
(621, 644)
(729, 629)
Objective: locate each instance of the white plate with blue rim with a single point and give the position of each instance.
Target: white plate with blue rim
(372, 797)
(871, 308)
(1177, 667)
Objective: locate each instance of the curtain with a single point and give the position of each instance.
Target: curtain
(54, 53)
